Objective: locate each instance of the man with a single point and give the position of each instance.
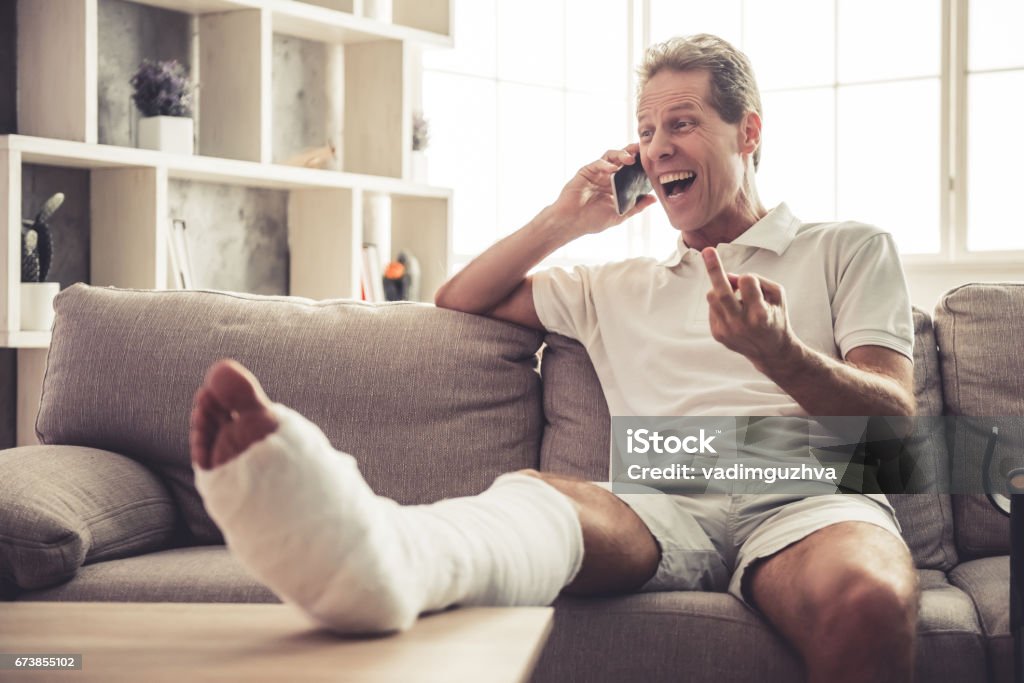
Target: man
(829, 334)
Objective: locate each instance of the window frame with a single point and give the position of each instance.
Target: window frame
(952, 174)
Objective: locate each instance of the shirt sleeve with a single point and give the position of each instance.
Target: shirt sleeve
(872, 303)
(564, 301)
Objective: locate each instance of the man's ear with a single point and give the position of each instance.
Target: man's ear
(750, 132)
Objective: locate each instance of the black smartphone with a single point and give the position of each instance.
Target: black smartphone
(629, 183)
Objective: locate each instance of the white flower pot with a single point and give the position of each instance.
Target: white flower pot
(166, 133)
(37, 305)
(419, 166)
(377, 9)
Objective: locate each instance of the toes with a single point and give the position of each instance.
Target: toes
(198, 441)
(234, 387)
(207, 418)
(230, 412)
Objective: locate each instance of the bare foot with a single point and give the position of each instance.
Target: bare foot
(230, 413)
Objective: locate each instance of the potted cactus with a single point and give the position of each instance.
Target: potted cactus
(36, 256)
(163, 94)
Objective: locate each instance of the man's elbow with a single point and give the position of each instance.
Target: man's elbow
(444, 297)
(441, 297)
(901, 403)
(907, 405)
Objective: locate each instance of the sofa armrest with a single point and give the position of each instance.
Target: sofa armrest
(65, 506)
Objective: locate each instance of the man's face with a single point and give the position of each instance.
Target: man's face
(693, 158)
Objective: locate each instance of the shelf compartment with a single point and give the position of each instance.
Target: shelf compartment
(129, 209)
(325, 243)
(378, 114)
(130, 33)
(237, 236)
(235, 53)
(432, 18)
(57, 47)
(307, 91)
(422, 226)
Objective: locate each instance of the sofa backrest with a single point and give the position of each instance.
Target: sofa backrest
(432, 403)
(577, 437)
(980, 330)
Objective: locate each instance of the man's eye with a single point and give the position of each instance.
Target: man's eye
(645, 134)
(679, 125)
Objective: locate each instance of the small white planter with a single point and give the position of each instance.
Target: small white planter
(37, 305)
(419, 166)
(378, 9)
(166, 134)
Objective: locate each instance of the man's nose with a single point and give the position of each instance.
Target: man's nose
(661, 146)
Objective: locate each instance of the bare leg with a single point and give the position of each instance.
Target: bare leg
(846, 598)
(620, 554)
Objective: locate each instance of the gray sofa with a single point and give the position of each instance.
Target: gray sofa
(435, 403)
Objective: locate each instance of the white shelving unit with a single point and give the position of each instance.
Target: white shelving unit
(129, 186)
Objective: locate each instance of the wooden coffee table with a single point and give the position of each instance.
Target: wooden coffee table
(258, 642)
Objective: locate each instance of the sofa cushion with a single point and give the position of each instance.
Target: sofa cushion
(577, 434)
(927, 518)
(432, 403)
(985, 581)
(197, 574)
(980, 330)
(65, 506)
(712, 637)
(577, 438)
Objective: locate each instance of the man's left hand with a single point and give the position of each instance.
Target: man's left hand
(747, 313)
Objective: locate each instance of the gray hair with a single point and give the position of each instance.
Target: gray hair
(733, 87)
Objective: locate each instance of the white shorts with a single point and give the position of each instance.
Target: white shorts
(709, 540)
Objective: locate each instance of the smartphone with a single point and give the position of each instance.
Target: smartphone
(629, 183)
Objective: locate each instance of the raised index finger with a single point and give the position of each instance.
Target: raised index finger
(716, 273)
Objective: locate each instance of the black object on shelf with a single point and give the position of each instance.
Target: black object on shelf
(401, 278)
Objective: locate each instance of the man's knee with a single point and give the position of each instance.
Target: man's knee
(861, 606)
(619, 552)
(840, 589)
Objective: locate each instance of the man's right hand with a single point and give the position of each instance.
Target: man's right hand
(496, 283)
(586, 204)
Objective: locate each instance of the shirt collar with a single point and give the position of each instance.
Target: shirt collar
(774, 232)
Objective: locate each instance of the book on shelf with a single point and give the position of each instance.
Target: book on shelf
(181, 263)
(372, 279)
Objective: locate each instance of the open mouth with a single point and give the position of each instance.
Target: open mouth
(677, 183)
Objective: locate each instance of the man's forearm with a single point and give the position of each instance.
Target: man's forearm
(825, 386)
(489, 278)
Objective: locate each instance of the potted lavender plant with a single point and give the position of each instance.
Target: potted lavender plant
(163, 94)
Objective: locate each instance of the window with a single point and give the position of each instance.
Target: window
(995, 91)
(532, 91)
(896, 114)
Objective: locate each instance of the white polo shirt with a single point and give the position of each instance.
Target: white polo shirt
(645, 323)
